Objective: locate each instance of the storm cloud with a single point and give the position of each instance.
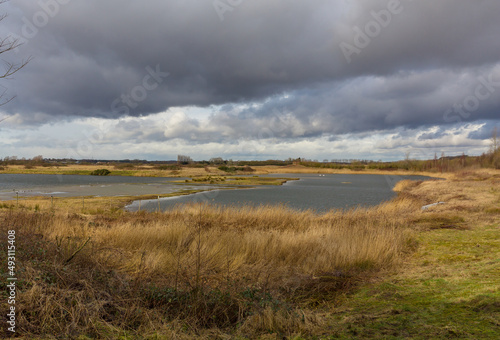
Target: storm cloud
(300, 69)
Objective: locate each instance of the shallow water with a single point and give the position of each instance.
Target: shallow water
(316, 192)
(79, 185)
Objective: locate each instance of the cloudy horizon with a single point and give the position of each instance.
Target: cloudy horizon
(251, 79)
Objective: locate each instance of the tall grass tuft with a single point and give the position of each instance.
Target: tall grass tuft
(204, 266)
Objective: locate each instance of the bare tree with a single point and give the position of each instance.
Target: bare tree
(182, 159)
(216, 160)
(494, 140)
(9, 44)
(495, 149)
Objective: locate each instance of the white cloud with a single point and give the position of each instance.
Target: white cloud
(163, 136)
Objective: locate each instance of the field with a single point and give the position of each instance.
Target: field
(151, 171)
(140, 171)
(238, 180)
(393, 271)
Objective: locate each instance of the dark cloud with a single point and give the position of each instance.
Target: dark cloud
(281, 59)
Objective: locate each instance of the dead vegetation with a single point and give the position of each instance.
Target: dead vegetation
(242, 268)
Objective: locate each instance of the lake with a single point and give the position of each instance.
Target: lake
(317, 192)
(312, 191)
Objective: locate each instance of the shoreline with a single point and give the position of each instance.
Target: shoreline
(173, 188)
(123, 201)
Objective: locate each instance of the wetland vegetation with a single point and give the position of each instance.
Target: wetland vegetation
(93, 270)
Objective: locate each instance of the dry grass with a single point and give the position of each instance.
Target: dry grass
(152, 171)
(300, 169)
(264, 244)
(406, 185)
(268, 246)
(139, 171)
(196, 265)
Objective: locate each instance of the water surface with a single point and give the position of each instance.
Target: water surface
(81, 185)
(313, 191)
(317, 192)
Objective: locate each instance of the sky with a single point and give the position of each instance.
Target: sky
(251, 79)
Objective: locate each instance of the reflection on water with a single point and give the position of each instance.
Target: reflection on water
(319, 193)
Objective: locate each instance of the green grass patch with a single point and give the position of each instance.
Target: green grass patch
(452, 290)
(441, 221)
(100, 172)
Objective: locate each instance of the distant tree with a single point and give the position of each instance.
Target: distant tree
(495, 149)
(442, 162)
(494, 140)
(407, 155)
(182, 159)
(38, 159)
(216, 160)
